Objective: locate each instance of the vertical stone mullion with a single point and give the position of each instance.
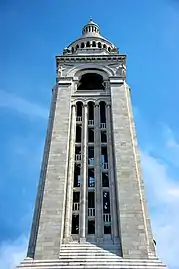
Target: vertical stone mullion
(69, 196)
(114, 222)
(83, 200)
(98, 202)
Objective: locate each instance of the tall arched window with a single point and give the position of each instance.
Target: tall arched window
(90, 111)
(102, 112)
(79, 106)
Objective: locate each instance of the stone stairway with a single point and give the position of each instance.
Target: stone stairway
(89, 256)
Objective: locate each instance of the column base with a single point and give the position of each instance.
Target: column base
(116, 240)
(67, 240)
(99, 240)
(82, 240)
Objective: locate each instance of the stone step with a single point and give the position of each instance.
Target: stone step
(90, 246)
(92, 266)
(91, 262)
(102, 255)
(87, 249)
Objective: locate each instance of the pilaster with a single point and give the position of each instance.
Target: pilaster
(132, 230)
(83, 196)
(98, 186)
(52, 208)
(114, 221)
(69, 196)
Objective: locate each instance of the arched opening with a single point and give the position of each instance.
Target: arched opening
(77, 46)
(82, 45)
(99, 45)
(90, 111)
(94, 44)
(104, 46)
(72, 49)
(91, 81)
(109, 49)
(77, 175)
(88, 44)
(102, 112)
(78, 134)
(79, 106)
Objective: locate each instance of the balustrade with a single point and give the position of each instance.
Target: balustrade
(76, 206)
(91, 212)
(107, 218)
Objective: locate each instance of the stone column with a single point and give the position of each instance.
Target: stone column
(97, 150)
(83, 200)
(70, 176)
(112, 187)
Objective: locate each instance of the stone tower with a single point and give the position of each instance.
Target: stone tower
(90, 210)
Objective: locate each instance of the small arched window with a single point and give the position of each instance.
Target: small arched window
(109, 49)
(94, 44)
(88, 44)
(72, 49)
(82, 45)
(104, 46)
(99, 45)
(77, 46)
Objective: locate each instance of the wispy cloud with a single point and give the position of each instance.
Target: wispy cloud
(159, 156)
(163, 197)
(169, 146)
(14, 102)
(12, 252)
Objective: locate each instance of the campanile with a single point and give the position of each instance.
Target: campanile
(90, 209)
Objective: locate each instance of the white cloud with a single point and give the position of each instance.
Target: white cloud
(12, 252)
(163, 198)
(21, 105)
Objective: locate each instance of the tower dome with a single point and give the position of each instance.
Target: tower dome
(91, 29)
(91, 42)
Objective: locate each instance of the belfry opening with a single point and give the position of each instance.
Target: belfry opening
(91, 81)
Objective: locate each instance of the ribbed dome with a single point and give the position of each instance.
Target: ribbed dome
(91, 42)
(91, 28)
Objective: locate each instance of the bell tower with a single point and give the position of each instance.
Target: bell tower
(90, 209)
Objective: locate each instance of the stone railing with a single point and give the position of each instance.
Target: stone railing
(107, 218)
(77, 157)
(91, 212)
(76, 206)
(103, 125)
(78, 119)
(91, 122)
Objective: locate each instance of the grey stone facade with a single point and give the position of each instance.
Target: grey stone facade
(128, 243)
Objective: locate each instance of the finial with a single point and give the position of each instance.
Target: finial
(91, 18)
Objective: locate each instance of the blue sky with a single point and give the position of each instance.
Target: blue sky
(32, 34)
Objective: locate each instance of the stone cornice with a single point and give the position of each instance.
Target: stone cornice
(64, 81)
(116, 80)
(91, 58)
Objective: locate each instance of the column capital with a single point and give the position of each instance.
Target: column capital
(108, 105)
(96, 104)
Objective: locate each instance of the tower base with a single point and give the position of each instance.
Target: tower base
(89, 256)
